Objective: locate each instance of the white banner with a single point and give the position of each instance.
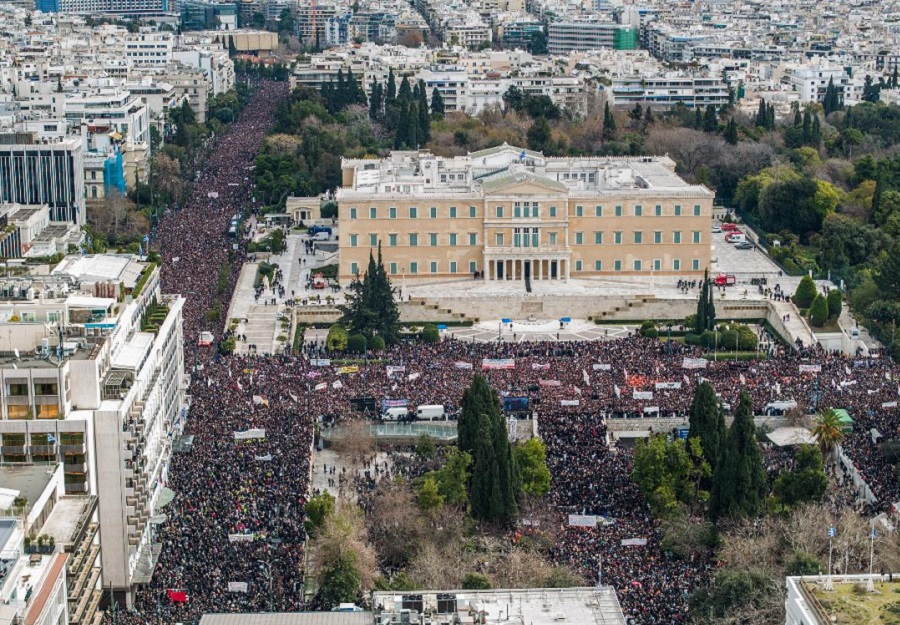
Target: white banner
(259, 400)
(651, 409)
(321, 386)
(249, 435)
(212, 194)
(810, 368)
(392, 369)
(642, 395)
(241, 538)
(582, 520)
(320, 362)
(549, 382)
(602, 366)
(498, 363)
(413, 376)
(634, 542)
(460, 364)
(694, 363)
(536, 366)
(660, 385)
(889, 404)
(266, 458)
(569, 402)
(337, 384)
(237, 586)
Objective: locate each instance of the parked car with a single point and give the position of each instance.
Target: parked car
(716, 229)
(730, 227)
(744, 245)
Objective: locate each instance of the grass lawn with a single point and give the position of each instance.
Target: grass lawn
(852, 606)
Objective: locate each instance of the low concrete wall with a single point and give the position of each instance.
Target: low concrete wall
(666, 424)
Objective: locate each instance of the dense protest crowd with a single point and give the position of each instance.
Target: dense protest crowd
(234, 535)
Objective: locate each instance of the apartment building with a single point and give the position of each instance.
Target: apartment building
(129, 8)
(36, 171)
(91, 376)
(149, 50)
(661, 92)
(577, 35)
(514, 214)
(811, 82)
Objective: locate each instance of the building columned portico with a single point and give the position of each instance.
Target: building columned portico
(534, 266)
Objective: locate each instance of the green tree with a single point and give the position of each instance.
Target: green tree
(479, 399)
(495, 481)
(539, 135)
(751, 592)
(805, 293)
(453, 477)
(609, 123)
(739, 480)
(318, 508)
(340, 579)
(804, 564)
(430, 333)
(531, 460)
(437, 103)
(337, 338)
(662, 470)
(370, 309)
(806, 481)
(428, 497)
(731, 132)
(425, 448)
(828, 431)
(887, 272)
(258, 20)
(707, 423)
(711, 119)
(356, 344)
(835, 303)
(818, 311)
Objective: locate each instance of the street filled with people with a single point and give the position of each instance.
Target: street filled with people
(233, 540)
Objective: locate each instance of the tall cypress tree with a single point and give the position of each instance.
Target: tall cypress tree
(711, 119)
(731, 132)
(405, 91)
(698, 118)
(700, 321)
(816, 133)
(739, 480)
(477, 400)
(391, 87)
(485, 495)
(710, 305)
(424, 129)
(609, 123)
(760, 120)
(412, 126)
(806, 135)
(437, 102)
(707, 422)
(370, 308)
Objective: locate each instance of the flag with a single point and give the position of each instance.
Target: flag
(874, 535)
(587, 378)
(686, 379)
(831, 532)
(847, 369)
(51, 439)
(743, 379)
(617, 390)
(177, 596)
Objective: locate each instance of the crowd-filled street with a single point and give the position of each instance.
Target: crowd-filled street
(238, 512)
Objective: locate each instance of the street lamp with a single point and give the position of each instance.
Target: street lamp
(268, 568)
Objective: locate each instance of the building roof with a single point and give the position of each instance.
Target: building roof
(788, 436)
(290, 618)
(29, 480)
(508, 178)
(499, 149)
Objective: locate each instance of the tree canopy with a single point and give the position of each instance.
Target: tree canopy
(739, 480)
(370, 309)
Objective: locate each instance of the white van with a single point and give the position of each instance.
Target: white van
(430, 413)
(398, 413)
(738, 238)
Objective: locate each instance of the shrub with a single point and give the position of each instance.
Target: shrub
(476, 581)
(693, 339)
(356, 344)
(818, 312)
(806, 292)
(376, 344)
(337, 338)
(430, 333)
(835, 303)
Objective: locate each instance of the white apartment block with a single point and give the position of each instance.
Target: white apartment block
(152, 50)
(662, 92)
(98, 367)
(811, 82)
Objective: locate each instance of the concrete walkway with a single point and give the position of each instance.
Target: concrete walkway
(797, 326)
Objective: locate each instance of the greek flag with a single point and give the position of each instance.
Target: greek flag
(522, 155)
(831, 532)
(146, 238)
(52, 440)
(874, 535)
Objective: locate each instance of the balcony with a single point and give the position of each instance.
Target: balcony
(72, 449)
(43, 450)
(13, 450)
(526, 252)
(75, 467)
(77, 487)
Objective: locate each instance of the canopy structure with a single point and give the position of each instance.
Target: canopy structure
(789, 436)
(844, 417)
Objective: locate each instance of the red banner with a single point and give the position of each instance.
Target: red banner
(177, 596)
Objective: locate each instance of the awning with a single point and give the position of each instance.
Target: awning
(166, 496)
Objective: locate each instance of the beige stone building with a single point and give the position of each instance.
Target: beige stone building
(509, 213)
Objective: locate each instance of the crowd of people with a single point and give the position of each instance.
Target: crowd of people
(234, 536)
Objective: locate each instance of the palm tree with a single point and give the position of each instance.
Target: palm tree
(828, 431)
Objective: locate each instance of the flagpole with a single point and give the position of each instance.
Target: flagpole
(871, 549)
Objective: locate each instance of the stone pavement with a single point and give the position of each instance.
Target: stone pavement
(524, 331)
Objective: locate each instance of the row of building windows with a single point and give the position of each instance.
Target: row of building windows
(532, 210)
(618, 265)
(530, 237)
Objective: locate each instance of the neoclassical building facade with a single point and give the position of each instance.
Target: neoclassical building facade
(510, 214)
